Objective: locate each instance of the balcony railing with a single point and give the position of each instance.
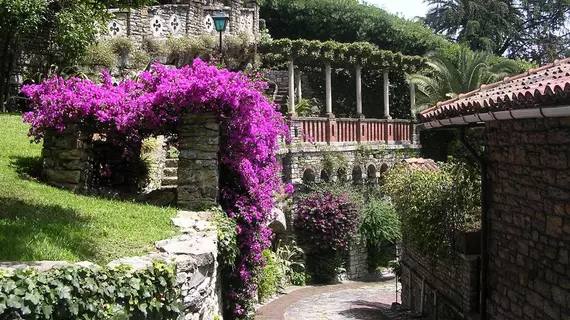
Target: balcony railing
(348, 130)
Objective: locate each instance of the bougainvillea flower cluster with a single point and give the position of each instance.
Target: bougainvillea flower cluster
(326, 221)
(153, 104)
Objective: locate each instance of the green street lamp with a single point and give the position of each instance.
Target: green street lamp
(220, 23)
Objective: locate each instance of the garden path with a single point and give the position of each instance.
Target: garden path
(352, 300)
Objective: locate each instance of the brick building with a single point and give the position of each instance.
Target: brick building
(525, 267)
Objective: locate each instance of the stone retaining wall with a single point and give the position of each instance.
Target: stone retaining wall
(529, 219)
(67, 159)
(195, 255)
(454, 282)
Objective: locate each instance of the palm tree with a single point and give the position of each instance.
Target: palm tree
(446, 79)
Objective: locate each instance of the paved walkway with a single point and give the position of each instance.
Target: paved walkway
(353, 300)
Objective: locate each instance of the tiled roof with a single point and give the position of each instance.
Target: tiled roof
(545, 86)
(422, 164)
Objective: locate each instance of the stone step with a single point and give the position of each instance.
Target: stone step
(169, 181)
(171, 163)
(171, 172)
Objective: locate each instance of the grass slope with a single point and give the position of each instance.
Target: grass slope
(39, 222)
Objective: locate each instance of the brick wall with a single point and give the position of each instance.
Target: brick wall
(529, 219)
(455, 282)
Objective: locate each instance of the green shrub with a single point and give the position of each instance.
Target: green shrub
(91, 293)
(290, 259)
(435, 205)
(378, 224)
(227, 239)
(271, 277)
(100, 54)
(121, 46)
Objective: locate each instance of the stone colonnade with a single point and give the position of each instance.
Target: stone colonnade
(328, 91)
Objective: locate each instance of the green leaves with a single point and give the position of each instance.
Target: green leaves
(102, 293)
(314, 54)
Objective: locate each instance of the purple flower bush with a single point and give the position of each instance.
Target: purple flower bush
(326, 221)
(134, 109)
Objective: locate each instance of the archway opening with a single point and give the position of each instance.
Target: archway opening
(308, 176)
(371, 175)
(357, 175)
(325, 176)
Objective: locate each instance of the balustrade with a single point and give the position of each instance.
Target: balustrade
(348, 130)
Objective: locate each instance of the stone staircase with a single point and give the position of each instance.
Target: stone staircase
(281, 96)
(170, 174)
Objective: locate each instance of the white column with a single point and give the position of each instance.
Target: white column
(291, 87)
(359, 91)
(299, 86)
(412, 99)
(386, 96)
(328, 89)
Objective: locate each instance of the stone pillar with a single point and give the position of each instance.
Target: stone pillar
(198, 172)
(299, 86)
(386, 87)
(359, 92)
(291, 87)
(328, 88)
(67, 159)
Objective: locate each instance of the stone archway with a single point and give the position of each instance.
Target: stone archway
(325, 176)
(341, 175)
(371, 174)
(309, 176)
(357, 175)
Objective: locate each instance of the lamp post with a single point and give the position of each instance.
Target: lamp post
(220, 23)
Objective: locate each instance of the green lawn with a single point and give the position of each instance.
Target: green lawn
(39, 222)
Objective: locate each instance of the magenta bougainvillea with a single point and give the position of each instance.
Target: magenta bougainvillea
(153, 104)
(326, 221)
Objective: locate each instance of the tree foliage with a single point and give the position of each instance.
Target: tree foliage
(529, 29)
(435, 205)
(69, 25)
(447, 78)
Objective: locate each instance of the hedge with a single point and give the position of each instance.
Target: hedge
(90, 293)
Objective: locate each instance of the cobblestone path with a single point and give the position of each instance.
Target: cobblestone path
(354, 300)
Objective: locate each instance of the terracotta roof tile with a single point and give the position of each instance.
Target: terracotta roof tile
(545, 86)
(422, 164)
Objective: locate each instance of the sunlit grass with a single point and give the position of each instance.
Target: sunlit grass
(40, 222)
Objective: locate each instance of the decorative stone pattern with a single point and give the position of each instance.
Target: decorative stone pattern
(454, 281)
(529, 219)
(357, 261)
(198, 174)
(195, 255)
(67, 159)
(188, 17)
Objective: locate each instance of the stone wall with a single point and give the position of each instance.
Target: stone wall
(67, 159)
(529, 219)
(454, 282)
(189, 17)
(195, 255)
(357, 261)
(198, 174)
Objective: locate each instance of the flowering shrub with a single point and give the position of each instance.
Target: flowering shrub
(326, 221)
(152, 104)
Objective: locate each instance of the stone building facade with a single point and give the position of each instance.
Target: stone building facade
(184, 18)
(526, 190)
(529, 218)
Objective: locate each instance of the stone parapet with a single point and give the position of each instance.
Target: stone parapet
(194, 253)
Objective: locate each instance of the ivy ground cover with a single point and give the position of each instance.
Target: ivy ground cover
(39, 222)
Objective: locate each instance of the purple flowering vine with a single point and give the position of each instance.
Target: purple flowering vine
(152, 104)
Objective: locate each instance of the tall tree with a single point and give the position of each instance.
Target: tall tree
(447, 78)
(72, 25)
(530, 29)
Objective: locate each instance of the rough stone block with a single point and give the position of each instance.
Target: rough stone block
(59, 176)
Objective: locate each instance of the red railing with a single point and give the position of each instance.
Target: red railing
(333, 130)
